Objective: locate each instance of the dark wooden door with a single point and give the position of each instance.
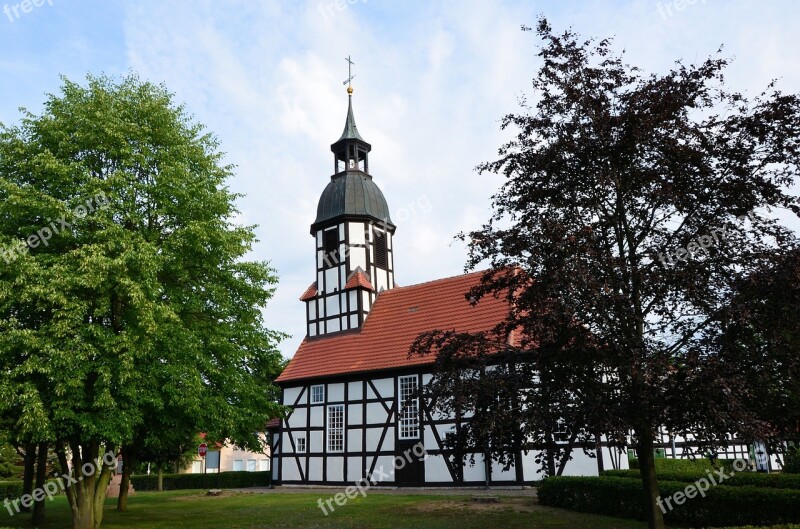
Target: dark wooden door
(411, 473)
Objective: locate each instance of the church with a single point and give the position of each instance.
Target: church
(351, 384)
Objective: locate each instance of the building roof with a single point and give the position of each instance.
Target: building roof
(351, 193)
(358, 279)
(350, 130)
(398, 316)
(310, 293)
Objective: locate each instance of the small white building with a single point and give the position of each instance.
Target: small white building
(229, 458)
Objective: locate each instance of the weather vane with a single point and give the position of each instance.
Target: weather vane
(350, 75)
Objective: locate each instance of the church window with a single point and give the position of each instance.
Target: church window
(317, 394)
(409, 407)
(381, 258)
(336, 428)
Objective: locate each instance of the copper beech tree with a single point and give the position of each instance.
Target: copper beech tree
(633, 207)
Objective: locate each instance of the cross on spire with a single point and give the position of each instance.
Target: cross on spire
(350, 75)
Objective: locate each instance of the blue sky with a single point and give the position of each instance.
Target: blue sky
(432, 81)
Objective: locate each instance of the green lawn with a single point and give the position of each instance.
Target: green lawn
(192, 509)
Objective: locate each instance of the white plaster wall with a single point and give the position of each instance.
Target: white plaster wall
(355, 390)
(387, 464)
(316, 442)
(356, 230)
(354, 413)
(291, 472)
(477, 472)
(291, 394)
(580, 465)
(336, 392)
(498, 474)
(376, 414)
(436, 470)
(298, 418)
(354, 472)
(316, 416)
(354, 440)
(335, 468)
(315, 469)
(385, 387)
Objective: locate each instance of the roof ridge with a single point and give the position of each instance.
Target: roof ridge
(434, 281)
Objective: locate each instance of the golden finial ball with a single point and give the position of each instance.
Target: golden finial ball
(350, 90)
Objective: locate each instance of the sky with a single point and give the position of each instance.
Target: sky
(432, 81)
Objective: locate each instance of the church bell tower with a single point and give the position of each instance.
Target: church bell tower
(353, 239)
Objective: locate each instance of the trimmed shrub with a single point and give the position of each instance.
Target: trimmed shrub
(721, 505)
(222, 480)
(10, 489)
(685, 465)
(791, 463)
(738, 479)
(789, 526)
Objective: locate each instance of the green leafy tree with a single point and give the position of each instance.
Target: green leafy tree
(632, 206)
(10, 461)
(133, 297)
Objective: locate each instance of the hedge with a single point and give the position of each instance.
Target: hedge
(614, 496)
(789, 526)
(740, 479)
(214, 480)
(685, 465)
(10, 489)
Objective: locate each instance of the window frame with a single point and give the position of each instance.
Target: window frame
(298, 444)
(408, 423)
(334, 428)
(321, 388)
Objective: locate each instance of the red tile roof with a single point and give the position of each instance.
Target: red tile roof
(358, 279)
(310, 292)
(398, 316)
(273, 424)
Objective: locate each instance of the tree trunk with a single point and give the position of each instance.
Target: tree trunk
(28, 473)
(87, 496)
(125, 483)
(41, 478)
(550, 454)
(598, 450)
(647, 470)
(160, 487)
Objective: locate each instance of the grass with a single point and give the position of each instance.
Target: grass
(274, 510)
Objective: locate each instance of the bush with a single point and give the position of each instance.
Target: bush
(10, 489)
(685, 465)
(791, 463)
(614, 496)
(739, 479)
(789, 526)
(222, 480)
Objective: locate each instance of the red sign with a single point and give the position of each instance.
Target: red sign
(202, 450)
